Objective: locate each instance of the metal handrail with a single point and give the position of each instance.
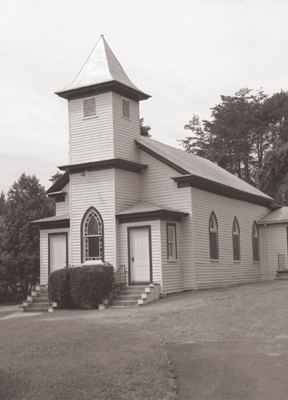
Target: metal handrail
(281, 262)
(119, 280)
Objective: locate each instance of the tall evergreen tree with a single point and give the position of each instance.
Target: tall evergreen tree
(19, 257)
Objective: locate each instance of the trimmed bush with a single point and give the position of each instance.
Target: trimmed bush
(91, 284)
(59, 288)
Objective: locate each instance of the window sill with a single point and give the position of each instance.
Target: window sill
(213, 260)
(172, 261)
(237, 261)
(85, 119)
(256, 262)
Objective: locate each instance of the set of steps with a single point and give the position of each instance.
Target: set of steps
(136, 295)
(37, 302)
(282, 274)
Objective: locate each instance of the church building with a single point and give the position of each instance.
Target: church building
(170, 217)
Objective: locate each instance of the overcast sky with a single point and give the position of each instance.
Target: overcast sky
(184, 53)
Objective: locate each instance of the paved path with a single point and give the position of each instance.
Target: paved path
(12, 311)
(232, 370)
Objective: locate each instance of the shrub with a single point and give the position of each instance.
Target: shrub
(91, 284)
(59, 288)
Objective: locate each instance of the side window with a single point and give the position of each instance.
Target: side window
(213, 237)
(92, 236)
(255, 242)
(171, 241)
(236, 240)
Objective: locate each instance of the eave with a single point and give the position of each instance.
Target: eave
(166, 215)
(58, 196)
(112, 86)
(59, 184)
(221, 189)
(105, 164)
(58, 224)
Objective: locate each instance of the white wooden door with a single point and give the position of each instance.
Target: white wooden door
(58, 252)
(140, 255)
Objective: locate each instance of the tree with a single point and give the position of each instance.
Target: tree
(273, 175)
(144, 130)
(19, 261)
(54, 178)
(242, 130)
(2, 204)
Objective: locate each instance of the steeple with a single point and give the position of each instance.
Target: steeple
(102, 72)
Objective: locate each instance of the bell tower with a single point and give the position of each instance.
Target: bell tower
(103, 109)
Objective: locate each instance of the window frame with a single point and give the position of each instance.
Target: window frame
(236, 234)
(213, 231)
(96, 108)
(255, 239)
(174, 243)
(122, 110)
(100, 258)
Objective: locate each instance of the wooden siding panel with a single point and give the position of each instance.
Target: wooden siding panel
(95, 189)
(63, 207)
(158, 187)
(225, 271)
(125, 130)
(156, 246)
(91, 139)
(276, 244)
(127, 193)
(172, 271)
(127, 189)
(44, 257)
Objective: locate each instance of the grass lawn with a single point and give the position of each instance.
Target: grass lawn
(82, 355)
(121, 354)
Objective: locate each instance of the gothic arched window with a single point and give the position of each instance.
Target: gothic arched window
(255, 242)
(92, 236)
(236, 240)
(213, 237)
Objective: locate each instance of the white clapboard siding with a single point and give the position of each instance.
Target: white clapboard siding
(95, 189)
(91, 139)
(63, 207)
(44, 257)
(158, 187)
(224, 271)
(156, 246)
(127, 193)
(276, 244)
(125, 130)
(172, 271)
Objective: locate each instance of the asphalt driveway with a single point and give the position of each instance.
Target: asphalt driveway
(232, 370)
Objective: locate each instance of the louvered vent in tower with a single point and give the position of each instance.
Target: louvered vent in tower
(126, 108)
(89, 107)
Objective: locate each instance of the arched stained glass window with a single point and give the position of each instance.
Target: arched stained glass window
(213, 237)
(236, 240)
(255, 242)
(92, 230)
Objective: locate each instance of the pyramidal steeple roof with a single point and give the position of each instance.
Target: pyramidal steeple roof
(102, 70)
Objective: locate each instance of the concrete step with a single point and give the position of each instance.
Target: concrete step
(131, 292)
(36, 310)
(40, 301)
(38, 305)
(282, 277)
(127, 297)
(134, 287)
(124, 303)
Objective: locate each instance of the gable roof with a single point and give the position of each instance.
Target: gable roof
(279, 216)
(194, 168)
(101, 68)
(59, 184)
